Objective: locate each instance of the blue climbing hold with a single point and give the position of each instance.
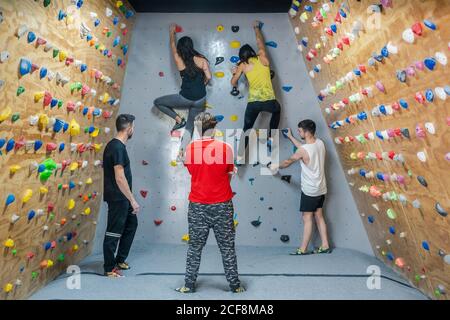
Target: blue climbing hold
(41, 168)
(333, 28)
(116, 20)
(42, 72)
(380, 176)
(342, 13)
(89, 37)
(59, 124)
(69, 236)
(430, 24)
(116, 41)
(105, 52)
(10, 145)
(425, 245)
(61, 15)
(272, 44)
(390, 256)
(362, 115)
(2, 142)
(284, 133)
(83, 67)
(385, 52)
(320, 97)
(119, 61)
(346, 120)
(10, 199)
(31, 37)
(25, 66)
(96, 22)
(379, 135)
(85, 111)
(382, 109)
(125, 49)
(362, 172)
(447, 90)
(287, 88)
(430, 63)
(53, 102)
(129, 14)
(304, 42)
(47, 245)
(308, 8)
(62, 146)
(219, 118)
(371, 219)
(429, 95)
(96, 112)
(91, 129)
(403, 104)
(357, 72)
(316, 69)
(79, 4)
(234, 59)
(65, 126)
(392, 230)
(72, 185)
(37, 145)
(31, 215)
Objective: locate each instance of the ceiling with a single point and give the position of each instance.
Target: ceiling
(219, 6)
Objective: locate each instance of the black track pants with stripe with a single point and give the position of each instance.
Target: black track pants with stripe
(121, 228)
(219, 217)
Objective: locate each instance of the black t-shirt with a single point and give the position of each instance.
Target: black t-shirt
(115, 154)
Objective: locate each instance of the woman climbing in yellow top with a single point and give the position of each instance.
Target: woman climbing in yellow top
(261, 96)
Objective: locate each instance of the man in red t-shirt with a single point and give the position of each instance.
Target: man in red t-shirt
(210, 163)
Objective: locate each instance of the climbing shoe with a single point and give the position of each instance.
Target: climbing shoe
(179, 125)
(114, 273)
(239, 289)
(323, 250)
(300, 252)
(123, 266)
(185, 290)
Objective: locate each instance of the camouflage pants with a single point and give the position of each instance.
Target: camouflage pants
(219, 217)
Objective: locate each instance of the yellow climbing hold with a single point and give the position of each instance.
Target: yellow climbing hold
(69, 19)
(89, 181)
(74, 129)
(75, 247)
(71, 204)
(234, 117)
(27, 195)
(95, 132)
(105, 97)
(219, 74)
(9, 243)
(353, 156)
(49, 263)
(73, 166)
(5, 114)
(8, 287)
(62, 55)
(208, 106)
(218, 133)
(87, 211)
(173, 163)
(38, 96)
(119, 4)
(98, 147)
(43, 121)
(235, 223)
(185, 237)
(43, 190)
(235, 44)
(14, 168)
(220, 28)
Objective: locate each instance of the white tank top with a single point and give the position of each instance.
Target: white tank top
(313, 180)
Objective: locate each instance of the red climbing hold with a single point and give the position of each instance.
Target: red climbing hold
(161, 74)
(51, 147)
(173, 208)
(157, 222)
(50, 207)
(144, 193)
(178, 29)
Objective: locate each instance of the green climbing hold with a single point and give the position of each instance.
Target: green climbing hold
(60, 103)
(108, 34)
(60, 186)
(75, 85)
(55, 53)
(15, 117)
(20, 90)
(437, 293)
(97, 46)
(14, 252)
(61, 257)
(123, 9)
(51, 216)
(391, 214)
(47, 3)
(410, 173)
(34, 275)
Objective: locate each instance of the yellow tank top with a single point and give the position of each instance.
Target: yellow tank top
(260, 82)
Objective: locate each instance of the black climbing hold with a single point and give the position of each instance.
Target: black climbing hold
(256, 223)
(219, 60)
(405, 132)
(235, 92)
(422, 181)
(441, 253)
(256, 164)
(270, 208)
(284, 238)
(440, 210)
(286, 178)
(272, 74)
(235, 29)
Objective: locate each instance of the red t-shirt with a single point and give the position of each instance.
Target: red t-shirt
(209, 162)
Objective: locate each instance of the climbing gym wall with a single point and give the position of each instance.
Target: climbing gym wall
(61, 72)
(380, 71)
(162, 185)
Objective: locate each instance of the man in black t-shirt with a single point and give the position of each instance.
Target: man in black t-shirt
(122, 206)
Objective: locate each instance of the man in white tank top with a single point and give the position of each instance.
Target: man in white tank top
(314, 186)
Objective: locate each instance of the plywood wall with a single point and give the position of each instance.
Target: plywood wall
(413, 241)
(25, 263)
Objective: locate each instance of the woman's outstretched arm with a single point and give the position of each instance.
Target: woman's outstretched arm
(173, 46)
(260, 43)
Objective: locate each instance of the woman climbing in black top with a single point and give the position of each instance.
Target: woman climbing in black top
(195, 74)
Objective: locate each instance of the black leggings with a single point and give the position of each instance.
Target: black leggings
(253, 110)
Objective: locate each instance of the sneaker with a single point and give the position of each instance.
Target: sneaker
(300, 252)
(323, 250)
(123, 266)
(179, 125)
(239, 289)
(185, 290)
(114, 273)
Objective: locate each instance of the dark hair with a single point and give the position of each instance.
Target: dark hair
(206, 120)
(245, 53)
(123, 121)
(185, 49)
(308, 125)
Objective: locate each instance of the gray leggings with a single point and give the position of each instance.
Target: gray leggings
(167, 104)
